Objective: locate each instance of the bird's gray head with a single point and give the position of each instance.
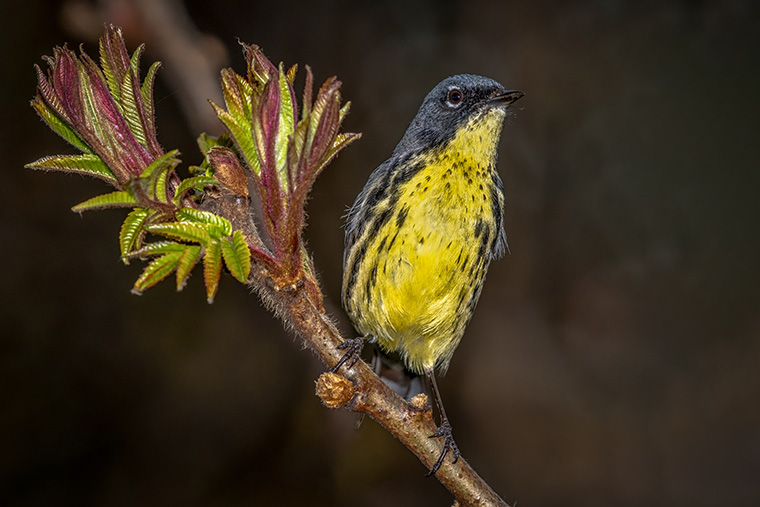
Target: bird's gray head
(449, 105)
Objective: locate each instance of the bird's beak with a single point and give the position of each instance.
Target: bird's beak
(507, 98)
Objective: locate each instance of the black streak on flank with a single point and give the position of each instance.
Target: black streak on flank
(480, 227)
(472, 268)
(462, 295)
(393, 240)
(401, 217)
(484, 242)
(371, 280)
(496, 189)
(355, 270)
(381, 220)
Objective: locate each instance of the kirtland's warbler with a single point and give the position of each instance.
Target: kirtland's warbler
(422, 232)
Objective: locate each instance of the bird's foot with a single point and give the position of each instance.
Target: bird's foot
(444, 431)
(354, 348)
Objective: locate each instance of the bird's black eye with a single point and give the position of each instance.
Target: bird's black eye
(454, 97)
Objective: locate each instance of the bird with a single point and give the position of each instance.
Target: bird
(422, 232)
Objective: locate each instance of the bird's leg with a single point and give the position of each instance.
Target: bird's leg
(354, 352)
(444, 429)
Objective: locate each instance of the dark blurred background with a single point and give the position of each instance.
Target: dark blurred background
(614, 356)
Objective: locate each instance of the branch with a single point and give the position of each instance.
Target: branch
(361, 390)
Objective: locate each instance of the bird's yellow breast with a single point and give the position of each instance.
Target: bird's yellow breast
(429, 258)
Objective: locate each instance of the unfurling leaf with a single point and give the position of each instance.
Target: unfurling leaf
(156, 174)
(237, 117)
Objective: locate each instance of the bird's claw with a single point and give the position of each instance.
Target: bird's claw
(355, 347)
(444, 431)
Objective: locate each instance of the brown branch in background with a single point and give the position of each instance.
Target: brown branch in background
(192, 60)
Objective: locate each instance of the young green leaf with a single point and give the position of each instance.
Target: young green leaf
(182, 231)
(118, 199)
(58, 125)
(291, 73)
(157, 270)
(221, 226)
(157, 172)
(237, 256)
(242, 136)
(190, 256)
(212, 269)
(194, 183)
(146, 90)
(158, 248)
(238, 97)
(91, 165)
(129, 107)
(341, 141)
(286, 125)
(109, 71)
(158, 189)
(206, 142)
(131, 233)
